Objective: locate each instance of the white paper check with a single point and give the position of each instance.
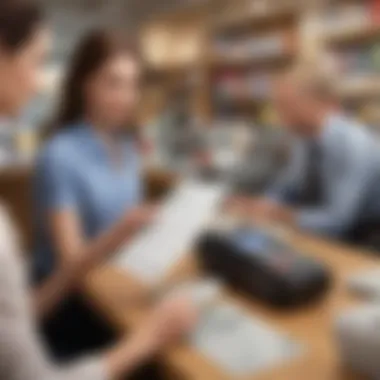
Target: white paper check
(184, 215)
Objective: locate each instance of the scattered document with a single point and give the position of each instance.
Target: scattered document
(183, 217)
(239, 344)
(366, 284)
(202, 292)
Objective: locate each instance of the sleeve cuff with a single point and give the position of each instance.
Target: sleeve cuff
(97, 370)
(319, 223)
(87, 369)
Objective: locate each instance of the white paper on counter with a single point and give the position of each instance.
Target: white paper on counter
(240, 344)
(366, 284)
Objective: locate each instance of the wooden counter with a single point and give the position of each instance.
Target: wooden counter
(115, 294)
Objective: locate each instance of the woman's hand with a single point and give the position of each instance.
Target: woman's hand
(262, 210)
(170, 321)
(141, 216)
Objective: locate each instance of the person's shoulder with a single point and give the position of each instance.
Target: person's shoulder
(348, 129)
(359, 132)
(9, 237)
(350, 125)
(356, 141)
(5, 220)
(62, 147)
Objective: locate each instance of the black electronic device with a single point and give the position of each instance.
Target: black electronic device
(260, 265)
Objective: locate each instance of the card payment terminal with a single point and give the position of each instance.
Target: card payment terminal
(253, 261)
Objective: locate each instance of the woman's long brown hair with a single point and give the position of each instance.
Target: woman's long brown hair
(90, 55)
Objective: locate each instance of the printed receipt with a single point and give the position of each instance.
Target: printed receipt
(185, 214)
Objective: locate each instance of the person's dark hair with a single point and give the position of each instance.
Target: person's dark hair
(89, 56)
(19, 20)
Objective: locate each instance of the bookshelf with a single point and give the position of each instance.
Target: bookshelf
(353, 40)
(256, 15)
(243, 44)
(249, 44)
(353, 36)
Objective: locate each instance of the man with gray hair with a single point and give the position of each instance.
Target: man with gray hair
(332, 181)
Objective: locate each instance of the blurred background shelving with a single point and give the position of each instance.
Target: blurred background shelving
(221, 55)
(351, 31)
(210, 65)
(246, 55)
(246, 43)
(235, 46)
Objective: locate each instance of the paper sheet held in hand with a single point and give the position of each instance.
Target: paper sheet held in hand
(183, 216)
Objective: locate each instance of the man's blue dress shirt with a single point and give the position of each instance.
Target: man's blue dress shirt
(350, 173)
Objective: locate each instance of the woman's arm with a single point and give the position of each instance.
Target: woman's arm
(77, 257)
(58, 200)
(21, 354)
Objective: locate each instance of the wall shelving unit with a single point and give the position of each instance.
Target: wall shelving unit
(236, 50)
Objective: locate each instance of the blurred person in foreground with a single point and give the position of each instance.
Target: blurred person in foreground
(24, 41)
(332, 181)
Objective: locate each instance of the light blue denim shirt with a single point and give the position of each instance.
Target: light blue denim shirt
(350, 174)
(75, 172)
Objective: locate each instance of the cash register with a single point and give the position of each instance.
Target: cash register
(257, 263)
